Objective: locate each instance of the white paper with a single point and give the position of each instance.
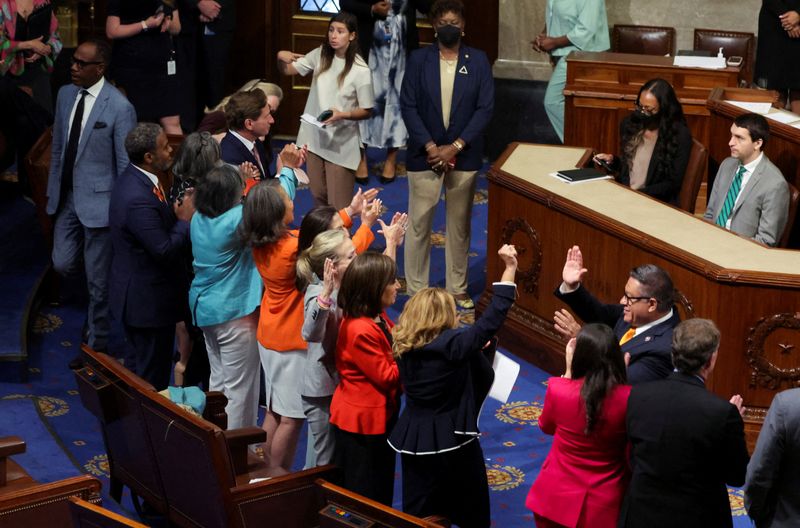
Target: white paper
(559, 178)
(311, 120)
(690, 61)
(506, 371)
(756, 108)
(253, 481)
(782, 116)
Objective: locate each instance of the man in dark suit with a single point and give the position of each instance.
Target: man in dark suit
(687, 443)
(750, 195)
(773, 475)
(249, 119)
(88, 155)
(148, 281)
(642, 321)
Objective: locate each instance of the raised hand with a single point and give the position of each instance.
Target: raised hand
(371, 212)
(360, 198)
(395, 231)
(330, 279)
(249, 170)
(293, 156)
(565, 324)
(508, 254)
(573, 271)
(737, 401)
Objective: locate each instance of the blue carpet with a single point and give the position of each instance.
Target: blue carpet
(67, 438)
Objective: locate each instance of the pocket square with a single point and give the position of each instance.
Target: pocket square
(100, 124)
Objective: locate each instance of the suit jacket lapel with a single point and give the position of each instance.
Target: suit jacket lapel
(97, 109)
(755, 179)
(462, 79)
(433, 78)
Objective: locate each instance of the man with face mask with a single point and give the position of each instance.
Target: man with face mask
(149, 236)
(750, 196)
(570, 25)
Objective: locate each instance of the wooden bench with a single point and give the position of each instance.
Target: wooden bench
(46, 505)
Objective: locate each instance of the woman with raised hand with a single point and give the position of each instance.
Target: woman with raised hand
(446, 373)
(365, 402)
(585, 475)
(319, 271)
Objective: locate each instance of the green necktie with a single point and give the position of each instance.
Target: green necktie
(730, 199)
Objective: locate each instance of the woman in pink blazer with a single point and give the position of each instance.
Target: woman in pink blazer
(585, 475)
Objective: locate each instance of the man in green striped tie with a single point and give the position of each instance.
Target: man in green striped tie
(750, 196)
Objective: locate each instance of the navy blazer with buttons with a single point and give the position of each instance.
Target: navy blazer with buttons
(234, 152)
(651, 350)
(148, 286)
(470, 111)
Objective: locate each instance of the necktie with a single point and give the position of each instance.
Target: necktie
(730, 199)
(258, 158)
(72, 145)
(159, 193)
(627, 336)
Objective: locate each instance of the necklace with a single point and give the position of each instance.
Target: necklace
(450, 64)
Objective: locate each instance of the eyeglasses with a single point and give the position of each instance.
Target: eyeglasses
(645, 110)
(628, 300)
(81, 64)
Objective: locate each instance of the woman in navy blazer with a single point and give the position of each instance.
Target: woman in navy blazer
(446, 374)
(446, 100)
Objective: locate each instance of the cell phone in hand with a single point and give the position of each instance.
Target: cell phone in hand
(325, 115)
(603, 163)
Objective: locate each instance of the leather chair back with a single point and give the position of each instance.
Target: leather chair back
(643, 40)
(109, 391)
(693, 177)
(794, 197)
(732, 43)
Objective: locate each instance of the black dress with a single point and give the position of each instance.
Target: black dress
(778, 56)
(139, 63)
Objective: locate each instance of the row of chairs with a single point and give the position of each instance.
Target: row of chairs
(657, 40)
(198, 474)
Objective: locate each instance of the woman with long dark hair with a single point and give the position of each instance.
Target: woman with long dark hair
(585, 475)
(655, 143)
(341, 94)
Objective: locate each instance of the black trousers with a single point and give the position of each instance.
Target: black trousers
(153, 349)
(452, 484)
(367, 463)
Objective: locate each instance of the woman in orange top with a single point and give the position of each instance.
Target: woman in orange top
(365, 403)
(267, 212)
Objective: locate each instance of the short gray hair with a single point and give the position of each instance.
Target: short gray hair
(694, 341)
(656, 283)
(198, 154)
(141, 140)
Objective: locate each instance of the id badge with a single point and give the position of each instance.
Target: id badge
(171, 67)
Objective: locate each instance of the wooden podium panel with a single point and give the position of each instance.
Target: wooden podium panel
(752, 292)
(602, 87)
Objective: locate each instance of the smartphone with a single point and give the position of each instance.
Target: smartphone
(325, 115)
(734, 61)
(603, 163)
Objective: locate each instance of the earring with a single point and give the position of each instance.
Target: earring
(435, 34)
(463, 34)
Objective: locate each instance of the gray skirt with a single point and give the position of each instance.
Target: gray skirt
(283, 376)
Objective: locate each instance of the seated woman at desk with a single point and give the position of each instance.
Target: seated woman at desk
(655, 144)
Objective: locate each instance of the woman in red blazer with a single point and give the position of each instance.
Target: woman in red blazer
(585, 475)
(365, 403)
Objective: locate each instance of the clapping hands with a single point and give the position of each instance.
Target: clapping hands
(573, 271)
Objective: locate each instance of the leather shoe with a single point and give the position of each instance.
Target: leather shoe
(386, 181)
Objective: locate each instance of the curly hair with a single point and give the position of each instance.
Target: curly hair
(671, 119)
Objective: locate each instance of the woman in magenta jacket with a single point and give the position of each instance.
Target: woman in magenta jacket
(585, 475)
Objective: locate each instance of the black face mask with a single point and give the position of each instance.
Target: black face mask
(448, 35)
(649, 122)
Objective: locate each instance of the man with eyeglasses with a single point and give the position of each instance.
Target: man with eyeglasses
(91, 121)
(642, 321)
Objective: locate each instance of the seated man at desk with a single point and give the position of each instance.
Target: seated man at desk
(750, 196)
(642, 321)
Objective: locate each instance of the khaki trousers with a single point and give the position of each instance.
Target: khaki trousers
(331, 184)
(424, 189)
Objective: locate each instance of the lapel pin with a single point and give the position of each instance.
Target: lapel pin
(463, 69)
(648, 338)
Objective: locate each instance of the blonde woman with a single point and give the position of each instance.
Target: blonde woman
(446, 373)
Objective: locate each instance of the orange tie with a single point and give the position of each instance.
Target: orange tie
(627, 336)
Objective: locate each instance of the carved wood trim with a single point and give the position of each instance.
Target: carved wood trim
(765, 374)
(528, 279)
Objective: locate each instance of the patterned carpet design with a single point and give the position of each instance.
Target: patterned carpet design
(64, 439)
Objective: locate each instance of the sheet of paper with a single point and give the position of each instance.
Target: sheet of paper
(782, 116)
(506, 371)
(253, 481)
(311, 120)
(709, 63)
(756, 108)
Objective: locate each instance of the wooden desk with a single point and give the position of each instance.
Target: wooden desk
(602, 87)
(752, 292)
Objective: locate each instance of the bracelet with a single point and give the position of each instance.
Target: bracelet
(458, 145)
(324, 303)
(429, 147)
(144, 26)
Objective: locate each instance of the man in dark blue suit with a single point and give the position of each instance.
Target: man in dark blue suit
(249, 119)
(643, 320)
(148, 281)
(91, 122)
